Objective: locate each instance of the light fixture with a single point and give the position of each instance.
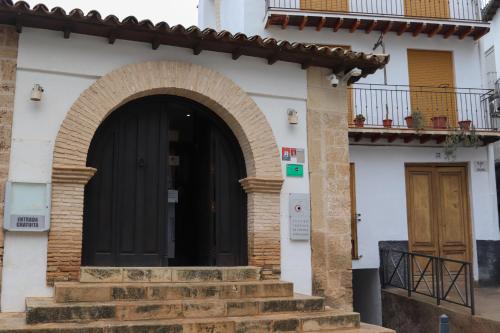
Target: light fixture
(36, 93)
(293, 117)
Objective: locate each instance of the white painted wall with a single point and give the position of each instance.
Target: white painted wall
(65, 68)
(381, 194)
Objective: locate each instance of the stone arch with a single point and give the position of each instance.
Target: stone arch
(200, 84)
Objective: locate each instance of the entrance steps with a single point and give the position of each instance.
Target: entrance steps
(180, 300)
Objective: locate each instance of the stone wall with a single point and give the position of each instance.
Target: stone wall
(418, 314)
(8, 64)
(328, 144)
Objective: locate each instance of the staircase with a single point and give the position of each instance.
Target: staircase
(179, 300)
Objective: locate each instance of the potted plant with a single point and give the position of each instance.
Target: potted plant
(465, 125)
(359, 121)
(387, 121)
(440, 122)
(415, 120)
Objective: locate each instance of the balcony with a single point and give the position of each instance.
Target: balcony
(461, 18)
(421, 113)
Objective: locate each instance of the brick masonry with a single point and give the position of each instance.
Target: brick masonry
(329, 184)
(8, 63)
(197, 83)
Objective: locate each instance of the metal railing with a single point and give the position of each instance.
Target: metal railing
(455, 106)
(457, 10)
(440, 278)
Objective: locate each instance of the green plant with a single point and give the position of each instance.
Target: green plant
(418, 120)
(387, 112)
(460, 137)
(360, 117)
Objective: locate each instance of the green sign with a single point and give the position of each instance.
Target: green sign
(294, 170)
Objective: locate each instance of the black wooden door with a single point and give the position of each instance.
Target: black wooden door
(125, 200)
(127, 210)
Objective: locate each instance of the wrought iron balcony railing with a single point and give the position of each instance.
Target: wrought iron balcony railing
(456, 10)
(397, 106)
(440, 278)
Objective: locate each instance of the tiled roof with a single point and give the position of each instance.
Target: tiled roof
(22, 15)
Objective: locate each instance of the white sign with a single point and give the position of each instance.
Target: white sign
(300, 217)
(27, 207)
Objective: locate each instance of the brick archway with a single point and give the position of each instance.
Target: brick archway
(200, 84)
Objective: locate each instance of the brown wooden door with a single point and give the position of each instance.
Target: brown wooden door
(427, 8)
(432, 82)
(438, 211)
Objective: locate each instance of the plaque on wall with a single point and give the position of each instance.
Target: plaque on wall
(27, 207)
(300, 217)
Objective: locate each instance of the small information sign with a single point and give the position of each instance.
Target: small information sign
(27, 207)
(300, 217)
(295, 170)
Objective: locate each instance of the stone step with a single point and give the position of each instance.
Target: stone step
(45, 310)
(66, 292)
(297, 322)
(168, 274)
(364, 328)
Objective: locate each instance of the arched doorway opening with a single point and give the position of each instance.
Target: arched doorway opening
(166, 191)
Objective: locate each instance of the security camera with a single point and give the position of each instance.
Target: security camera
(334, 80)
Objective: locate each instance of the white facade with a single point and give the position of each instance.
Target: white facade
(65, 68)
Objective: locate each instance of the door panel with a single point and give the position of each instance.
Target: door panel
(454, 216)
(325, 5)
(422, 229)
(427, 8)
(438, 211)
(432, 79)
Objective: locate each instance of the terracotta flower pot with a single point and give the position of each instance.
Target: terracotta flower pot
(440, 122)
(465, 125)
(359, 122)
(409, 122)
(387, 123)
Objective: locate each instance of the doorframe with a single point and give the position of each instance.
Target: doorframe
(209, 88)
(466, 166)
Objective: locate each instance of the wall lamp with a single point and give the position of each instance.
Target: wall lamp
(293, 117)
(36, 93)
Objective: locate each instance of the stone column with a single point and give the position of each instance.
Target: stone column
(65, 236)
(8, 64)
(329, 184)
(264, 245)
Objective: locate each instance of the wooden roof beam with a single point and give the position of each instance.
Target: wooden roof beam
(273, 59)
(375, 137)
(408, 138)
(435, 31)
(237, 53)
(67, 33)
(286, 20)
(197, 49)
(450, 32)
(391, 138)
(321, 24)
(155, 43)
(355, 26)
(466, 33)
(338, 24)
(303, 23)
(418, 29)
(481, 33)
(306, 64)
(113, 35)
(440, 139)
(388, 27)
(373, 24)
(425, 138)
(403, 28)
(358, 137)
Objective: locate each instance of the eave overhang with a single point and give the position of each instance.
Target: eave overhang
(20, 14)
